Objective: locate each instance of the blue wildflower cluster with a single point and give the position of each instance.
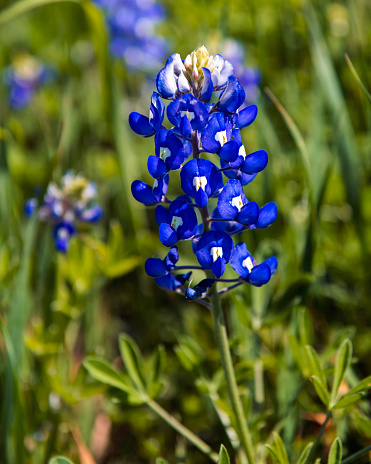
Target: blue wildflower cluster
(67, 207)
(23, 78)
(132, 28)
(201, 128)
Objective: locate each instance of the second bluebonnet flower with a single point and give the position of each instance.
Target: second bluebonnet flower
(66, 207)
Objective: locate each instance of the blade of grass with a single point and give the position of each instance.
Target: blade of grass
(21, 7)
(360, 83)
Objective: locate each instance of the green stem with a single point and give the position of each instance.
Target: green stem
(318, 439)
(186, 433)
(357, 455)
(225, 354)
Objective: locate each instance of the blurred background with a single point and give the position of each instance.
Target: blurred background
(87, 66)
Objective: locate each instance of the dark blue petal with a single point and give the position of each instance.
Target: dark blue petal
(140, 124)
(168, 236)
(156, 167)
(229, 151)
(161, 214)
(267, 215)
(232, 97)
(218, 268)
(259, 275)
(171, 258)
(207, 88)
(245, 117)
(249, 214)
(255, 162)
(201, 198)
(185, 127)
(155, 267)
(272, 262)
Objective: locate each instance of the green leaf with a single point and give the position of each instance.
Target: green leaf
(347, 401)
(223, 455)
(321, 390)
(362, 387)
(360, 83)
(122, 267)
(298, 355)
(132, 359)
(305, 327)
(273, 453)
(59, 460)
(280, 449)
(161, 461)
(101, 370)
(21, 7)
(344, 358)
(363, 423)
(305, 453)
(315, 365)
(156, 365)
(336, 452)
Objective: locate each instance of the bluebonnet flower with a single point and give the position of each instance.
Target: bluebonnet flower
(149, 126)
(159, 267)
(200, 180)
(66, 207)
(132, 29)
(201, 127)
(214, 250)
(23, 78)
(179, 223)
(247, 268)
(150, 195)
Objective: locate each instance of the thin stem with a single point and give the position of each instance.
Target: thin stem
(225, 355)
(318, 439)
(227, 289)
(180, 428)
(357, 455)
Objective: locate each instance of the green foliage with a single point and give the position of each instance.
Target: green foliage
(336, 452)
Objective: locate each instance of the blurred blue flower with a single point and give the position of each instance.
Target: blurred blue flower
(23, 78)
(67, 206)
(132, 28)
(248, 77)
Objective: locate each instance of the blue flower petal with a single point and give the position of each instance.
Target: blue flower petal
(161, 214)
(155, 267)
(229, 151)
(259, 275)
(232, 97)
(207, 88)
(245, 117)
(249, 214)
(156, 167)
(267, 215)
(168, 236)
(143, 193)
(140, 124)
(255, 162)
(272, 262)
